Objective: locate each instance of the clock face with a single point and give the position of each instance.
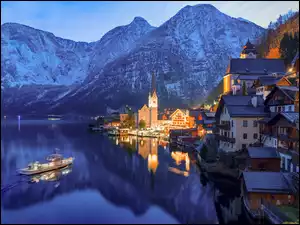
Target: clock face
(154, 102)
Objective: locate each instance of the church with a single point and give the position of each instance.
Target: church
(248, 69)
(150, 113)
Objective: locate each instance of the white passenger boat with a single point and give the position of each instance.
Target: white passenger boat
(55, 161)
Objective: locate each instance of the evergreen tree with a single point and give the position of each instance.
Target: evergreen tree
(244, 88)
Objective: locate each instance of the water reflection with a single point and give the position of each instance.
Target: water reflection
(55, 175)
(127, 178)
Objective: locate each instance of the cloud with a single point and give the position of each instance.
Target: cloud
(89, 21)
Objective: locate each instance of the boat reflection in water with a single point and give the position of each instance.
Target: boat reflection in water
(54, 175)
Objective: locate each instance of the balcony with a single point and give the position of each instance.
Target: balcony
(286, 137)
(224, 126)
(224, 138)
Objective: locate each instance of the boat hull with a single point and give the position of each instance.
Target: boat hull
(27, 172)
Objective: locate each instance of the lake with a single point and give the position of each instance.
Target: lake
(113, 180)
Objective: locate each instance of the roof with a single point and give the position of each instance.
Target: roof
(289, 91)
(263, 152)
(256, 66)
(247, 111)
(241, 106)
(243, 100)
(249, 47)
(291, 116)
(270, 182)
(295, 59)
(269, 80)
(184, 111)
(248, 77)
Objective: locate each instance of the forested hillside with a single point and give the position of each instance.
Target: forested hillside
(281, 40)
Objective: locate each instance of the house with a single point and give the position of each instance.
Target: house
(271, 187)
(237, 121)
(265, 84)
(180, 118)
(280, 131)
(283, 99)
(264, 159)
(174, 134)
(248, 68)
(205, 122)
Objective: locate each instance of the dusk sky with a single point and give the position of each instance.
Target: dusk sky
(89, 21)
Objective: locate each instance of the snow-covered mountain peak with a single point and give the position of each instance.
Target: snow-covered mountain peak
(139, 20)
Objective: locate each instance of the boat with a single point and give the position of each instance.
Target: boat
(55, 161)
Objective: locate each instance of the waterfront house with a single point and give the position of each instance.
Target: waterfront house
(280, 131)
(263, 159)
(271, 187)
(237, 121)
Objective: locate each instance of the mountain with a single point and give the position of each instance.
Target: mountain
(189, 54)
(269, 44)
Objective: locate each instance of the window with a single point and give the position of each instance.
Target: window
(245, 123)
(231, 134)
(255, 123)
(243, 146)
(279, 109)
(245, 136)
(255, 135)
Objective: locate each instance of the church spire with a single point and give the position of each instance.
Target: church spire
(153, 84)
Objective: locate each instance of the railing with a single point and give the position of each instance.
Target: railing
(224, 138)
(286, 137)
(224, 126)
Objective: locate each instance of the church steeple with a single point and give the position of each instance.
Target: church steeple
(153, 84)
(248, 51)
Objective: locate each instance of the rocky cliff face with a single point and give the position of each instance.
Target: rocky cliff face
(188, 53)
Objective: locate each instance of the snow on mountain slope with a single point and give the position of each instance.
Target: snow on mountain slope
(31, 56)
(188, 53)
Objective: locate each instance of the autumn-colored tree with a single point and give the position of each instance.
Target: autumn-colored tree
(142, 124)
(273, 54)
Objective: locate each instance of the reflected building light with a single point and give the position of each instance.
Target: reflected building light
(117, 141)
(187, 163)
(152, 162)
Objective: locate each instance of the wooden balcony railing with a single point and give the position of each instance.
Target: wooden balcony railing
(224, 138)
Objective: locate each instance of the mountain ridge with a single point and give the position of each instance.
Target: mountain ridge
(116, 70)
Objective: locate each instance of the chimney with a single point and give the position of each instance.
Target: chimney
(254, 101)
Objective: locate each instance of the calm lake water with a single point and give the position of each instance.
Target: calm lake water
(125, 180)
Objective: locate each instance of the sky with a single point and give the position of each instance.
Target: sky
(89, 21)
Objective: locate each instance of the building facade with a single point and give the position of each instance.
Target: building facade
(150, 113)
